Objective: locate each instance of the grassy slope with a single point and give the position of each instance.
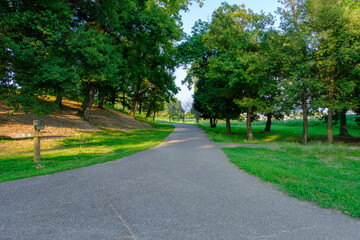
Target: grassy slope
(75, 152)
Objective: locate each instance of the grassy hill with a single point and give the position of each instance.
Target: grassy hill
(69, 142)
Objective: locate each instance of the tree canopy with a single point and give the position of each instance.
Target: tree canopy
(309, 64)
(116, 51)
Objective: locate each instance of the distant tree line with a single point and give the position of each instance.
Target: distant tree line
(241, 64)
(115, 51)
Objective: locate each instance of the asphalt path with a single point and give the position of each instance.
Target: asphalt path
(185, 188)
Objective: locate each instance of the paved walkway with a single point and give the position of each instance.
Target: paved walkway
(183, 189)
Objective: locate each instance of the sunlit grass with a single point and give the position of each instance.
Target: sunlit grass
(69, 153)
(327, 175)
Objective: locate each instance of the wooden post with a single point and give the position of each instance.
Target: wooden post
(37, 127)
(37, 149)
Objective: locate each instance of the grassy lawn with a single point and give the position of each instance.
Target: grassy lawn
(327, 175)
(16, 162)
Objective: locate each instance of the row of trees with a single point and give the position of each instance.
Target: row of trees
(114, 50)
(241, 64)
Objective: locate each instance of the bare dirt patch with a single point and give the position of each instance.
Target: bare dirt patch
(66, 122)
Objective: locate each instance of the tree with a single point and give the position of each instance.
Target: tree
(95, 53)
(194, 52)
(35, 58)
(234, 37)
(337, 29)
(300, 88)
(174, 109)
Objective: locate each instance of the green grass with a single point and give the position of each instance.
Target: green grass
(281, 131)
(76, 152)
(327, 175)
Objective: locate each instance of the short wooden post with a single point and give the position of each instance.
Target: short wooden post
(37, 127)
(37, 149)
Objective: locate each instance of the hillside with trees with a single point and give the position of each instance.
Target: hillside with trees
(108, 51)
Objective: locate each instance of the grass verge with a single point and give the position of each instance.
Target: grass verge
(69, 153)
(327, 175)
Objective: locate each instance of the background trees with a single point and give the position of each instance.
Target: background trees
(310, 63)
(109, 50)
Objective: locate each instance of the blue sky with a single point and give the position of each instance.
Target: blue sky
(204, 13)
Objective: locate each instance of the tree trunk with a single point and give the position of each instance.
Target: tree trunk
(329, 126)
(140, 106)
(148, 113)
(304, 136)
(268, 123)
(86, 106)
(343, 123)
(101, 101)
(213, 122)
(123, 101)
(154, 116)
(58, 101)
(134, 105)
(250, 135)
(228, 125)
(113, 97)
(136, 99)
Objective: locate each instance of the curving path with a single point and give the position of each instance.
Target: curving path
(183, 189)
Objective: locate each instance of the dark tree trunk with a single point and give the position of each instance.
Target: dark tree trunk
(343, 123)
(304, 136)
(213, 122)
(136, 99)
(58, 101)
(154, 116)
(228, 125)
(140, 106)
(113, 97)
(123, 101)
(134, 105)
(329, 126)
(148, 113)
(250, 135)
(268, 123)
(101, 100)
(86, 106)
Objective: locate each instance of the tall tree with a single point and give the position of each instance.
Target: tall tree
(234, 37)
(337, 28)
(301, 86)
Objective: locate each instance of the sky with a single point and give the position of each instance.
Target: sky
(195, 13)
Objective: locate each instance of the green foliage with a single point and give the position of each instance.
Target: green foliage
(173, 110)
(87, 49)
(34, 52)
